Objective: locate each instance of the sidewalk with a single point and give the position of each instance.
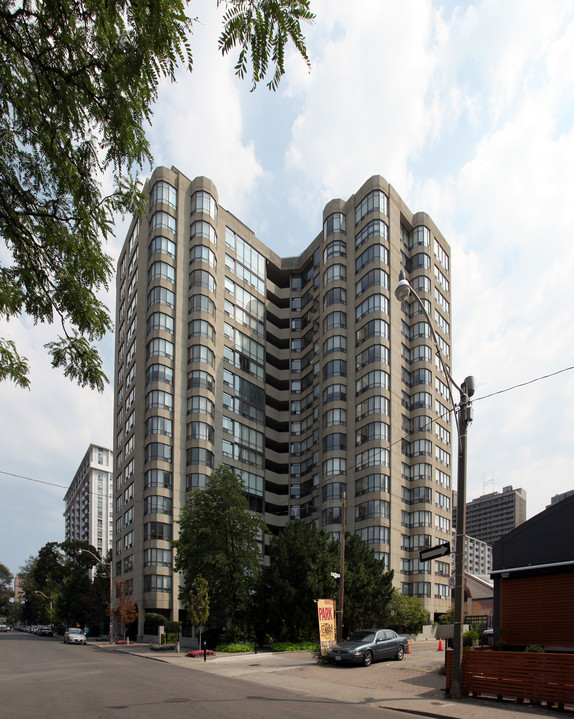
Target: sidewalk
(413, 685)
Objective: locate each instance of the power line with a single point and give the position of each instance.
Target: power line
(475, 399)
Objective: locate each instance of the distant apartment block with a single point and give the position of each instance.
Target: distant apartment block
(477, 557)
(493, 515)
(559, 497)
(89, 500)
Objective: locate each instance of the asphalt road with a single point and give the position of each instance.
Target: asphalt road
(43, 678)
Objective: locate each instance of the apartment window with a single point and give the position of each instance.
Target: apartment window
(375, 228)
(334, 417)
(157, 505)
(157, 398)
(162, 246)
(333, 490)
(159, 373)
(373, 328)
(334, 296)
(162, 221)
(202, 201)
(205, 230)
(335, 222)
(157, 530)
(202, 278)
(160, 321)
(159, 425)
(333, 466)
(201, 328)
(161, 271)
(158, 478)
(200, 253)
(371, 483)
(334, 273)
(336, 343)
(375, 201)
(334, 393)
(199, 455)
(374, 535)
(372, 431)
(201, 353)
(373, 379)
(373, 405)
(157, 557)
(373, 509)
(374, 354)
(163, 192)
(200, 405)
(158, 451)
(374, 457)
(161, 296)
(373, 253)
(374, 278)
(335, 320)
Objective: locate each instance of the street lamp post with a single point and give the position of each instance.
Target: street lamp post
(463, 418)
(106, 564)
(37, 591)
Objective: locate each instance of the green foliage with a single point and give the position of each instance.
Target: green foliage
(171, 638)
(536, 648)
(196, 602)
(234, 648)
(295, 646)
(447, 617)
(172, 627)
(407, 614)
(368, 587)
(218, 541)
(153, 621)
(301, 561)
(470, 637)
(78, 81)
(261, 28)
(6, 592)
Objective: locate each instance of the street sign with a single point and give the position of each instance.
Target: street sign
(433, 552)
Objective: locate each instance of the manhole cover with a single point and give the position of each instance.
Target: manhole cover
(177, 700)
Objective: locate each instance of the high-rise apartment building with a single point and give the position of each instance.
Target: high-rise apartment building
(493, 515)
(304, 373)
(89, 500)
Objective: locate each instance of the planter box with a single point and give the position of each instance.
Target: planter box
(164, 647)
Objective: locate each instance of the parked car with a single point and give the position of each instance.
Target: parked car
(74, 635)
(368, 645)
(46, 631)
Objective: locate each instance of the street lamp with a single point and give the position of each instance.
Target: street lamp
(463, 417)
(106, 564)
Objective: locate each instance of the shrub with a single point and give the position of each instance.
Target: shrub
(153, 621)
(534, 648)
(469, 638)
(234, 648)
(170, 638)
(295, 646)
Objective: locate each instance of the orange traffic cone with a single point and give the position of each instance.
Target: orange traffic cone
(440, 645)
(408, 647)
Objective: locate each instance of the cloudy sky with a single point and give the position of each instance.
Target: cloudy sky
(467, 109)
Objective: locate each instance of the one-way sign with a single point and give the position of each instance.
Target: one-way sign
(439, 551)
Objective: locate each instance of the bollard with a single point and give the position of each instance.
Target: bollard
(204, 651)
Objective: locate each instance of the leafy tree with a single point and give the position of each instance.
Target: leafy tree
(6, 592)
(77, 84)
(196, 601)
(368, 587)
(126, 611)
(218, 541)
(302, 558)
(407, 614)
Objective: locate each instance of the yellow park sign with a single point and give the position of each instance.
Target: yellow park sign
(326, 612)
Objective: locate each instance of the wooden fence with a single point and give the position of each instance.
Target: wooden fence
(524, 676)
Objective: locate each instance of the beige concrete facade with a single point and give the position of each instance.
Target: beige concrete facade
(305, 373)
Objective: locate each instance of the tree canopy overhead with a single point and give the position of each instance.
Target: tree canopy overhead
(77, 84)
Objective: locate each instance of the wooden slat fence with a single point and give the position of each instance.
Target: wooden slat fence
(524, 676)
